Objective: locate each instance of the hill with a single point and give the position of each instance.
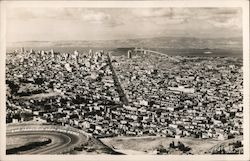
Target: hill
(158, 42)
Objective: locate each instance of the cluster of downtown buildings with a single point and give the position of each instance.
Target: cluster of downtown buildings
(134, 95)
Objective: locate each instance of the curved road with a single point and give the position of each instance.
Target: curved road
(224, 142)
(60, 141)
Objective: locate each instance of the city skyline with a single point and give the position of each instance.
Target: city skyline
(55, 24)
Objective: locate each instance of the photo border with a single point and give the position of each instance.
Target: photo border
(244, 4)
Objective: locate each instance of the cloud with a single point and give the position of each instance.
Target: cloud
(152, 12)
(218, 17)
(221, 17)
(93, 16)
(226, 18)
(115, 23)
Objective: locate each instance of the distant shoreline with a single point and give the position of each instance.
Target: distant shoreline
(238, 53)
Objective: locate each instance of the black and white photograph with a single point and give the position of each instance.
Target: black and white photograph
(127, 78)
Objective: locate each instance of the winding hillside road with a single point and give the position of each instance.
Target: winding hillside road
(63, 139)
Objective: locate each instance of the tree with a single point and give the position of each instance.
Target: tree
(171, 145)
(13, 86)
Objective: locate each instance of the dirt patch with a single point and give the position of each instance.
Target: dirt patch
(149, 144)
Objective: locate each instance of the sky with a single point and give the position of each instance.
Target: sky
(64, 24)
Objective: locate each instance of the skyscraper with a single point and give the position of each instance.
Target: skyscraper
(22, 50)
(129, 54)
(90, 53)
(76, 56)
(31, 51)
(52, 51)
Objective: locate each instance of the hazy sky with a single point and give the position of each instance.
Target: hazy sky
(52, 24)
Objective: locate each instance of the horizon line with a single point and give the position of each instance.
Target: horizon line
(128, 39)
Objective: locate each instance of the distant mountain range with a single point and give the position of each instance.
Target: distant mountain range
(158, 42)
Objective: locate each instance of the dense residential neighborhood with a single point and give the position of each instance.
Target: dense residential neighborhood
(199, 97)
(140, 94)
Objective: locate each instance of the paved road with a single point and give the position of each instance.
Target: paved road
(60, 141)
(224, 142)
(119, 89)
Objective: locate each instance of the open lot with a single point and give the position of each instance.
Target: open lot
(146, 145)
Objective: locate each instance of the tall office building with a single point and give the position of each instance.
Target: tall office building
(52, 51)
(90, 53)
(129, 54)
(31, 51)
(22, 50)
(76, 56)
